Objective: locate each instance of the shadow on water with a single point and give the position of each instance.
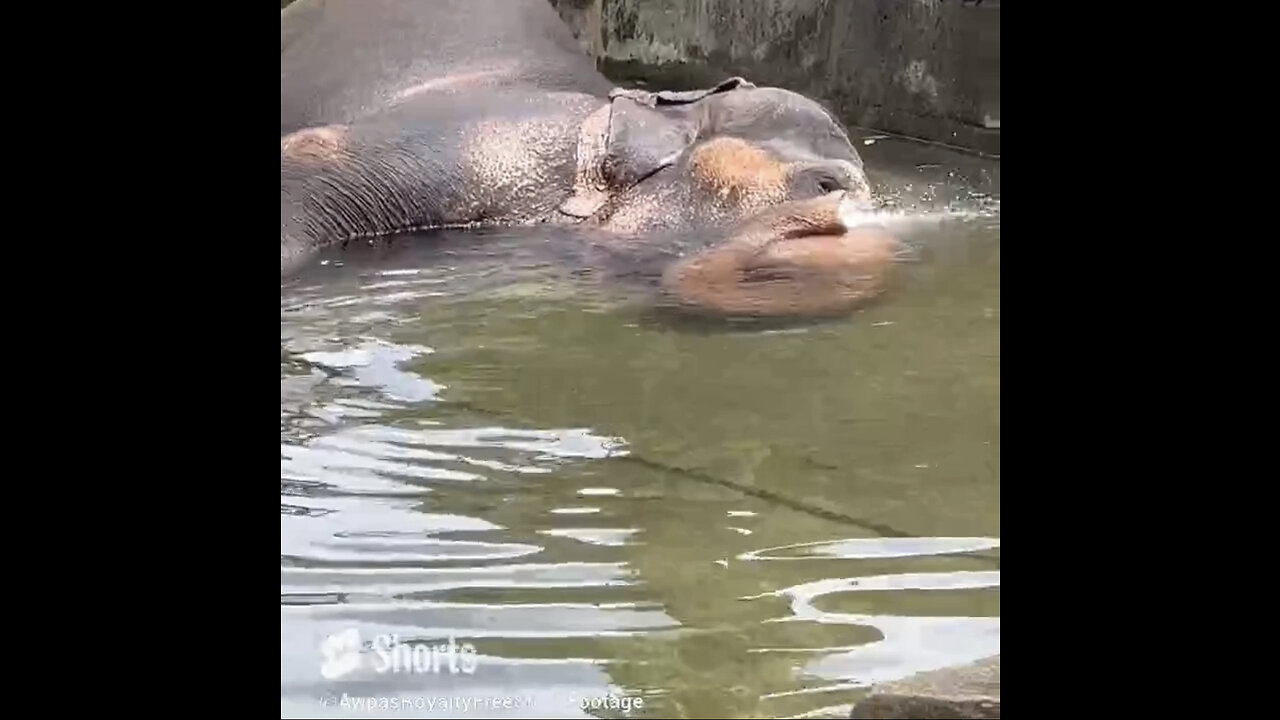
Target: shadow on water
(592, 500)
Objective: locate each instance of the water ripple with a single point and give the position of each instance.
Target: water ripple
(908, 644)
(399, 581)
(605, 537)
(376, 364)
(867, 548)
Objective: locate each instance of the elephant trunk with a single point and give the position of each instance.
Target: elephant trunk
(798, 259)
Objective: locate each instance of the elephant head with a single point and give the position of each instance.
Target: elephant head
(676, 160)
(762, 185)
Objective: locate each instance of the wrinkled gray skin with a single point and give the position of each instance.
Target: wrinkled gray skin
(461, 112)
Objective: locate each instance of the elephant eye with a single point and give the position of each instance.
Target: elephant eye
(829, 183)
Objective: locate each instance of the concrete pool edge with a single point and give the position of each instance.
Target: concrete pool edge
(928, 70)
(963, 691)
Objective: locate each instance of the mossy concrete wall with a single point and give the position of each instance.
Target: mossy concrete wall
(924, 68)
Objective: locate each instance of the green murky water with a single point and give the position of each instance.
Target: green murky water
(686, 520)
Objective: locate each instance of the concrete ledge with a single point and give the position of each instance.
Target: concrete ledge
(966, 691)
(928, 69)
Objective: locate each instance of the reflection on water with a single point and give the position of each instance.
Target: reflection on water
(480, 449)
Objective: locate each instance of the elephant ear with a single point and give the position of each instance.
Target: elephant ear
(636, 135)
(643, 140)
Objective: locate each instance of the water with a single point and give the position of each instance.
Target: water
(592, 502)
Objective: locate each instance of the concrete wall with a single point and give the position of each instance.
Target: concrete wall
(925, 68)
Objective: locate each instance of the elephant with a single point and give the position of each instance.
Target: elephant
(398, 116)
